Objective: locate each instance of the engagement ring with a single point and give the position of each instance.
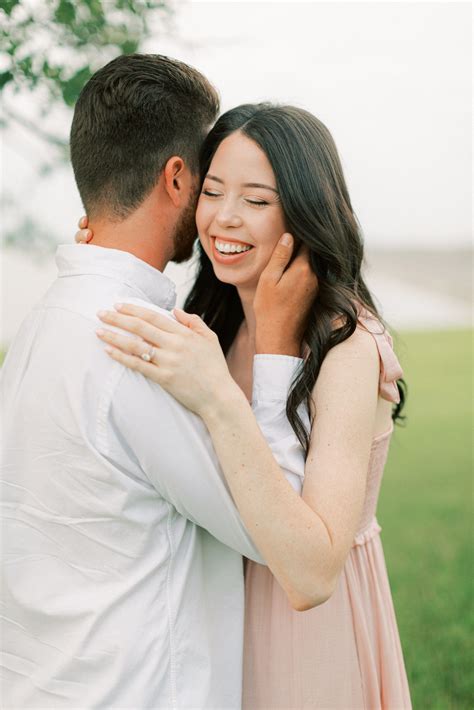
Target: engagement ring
(148, 357)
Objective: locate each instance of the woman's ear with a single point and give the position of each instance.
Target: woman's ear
(177, 180)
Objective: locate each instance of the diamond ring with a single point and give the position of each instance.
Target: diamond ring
(148, 356)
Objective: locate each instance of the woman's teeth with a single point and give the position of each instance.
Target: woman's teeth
(226, 248)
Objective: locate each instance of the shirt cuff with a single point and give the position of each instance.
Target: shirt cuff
(273, 376)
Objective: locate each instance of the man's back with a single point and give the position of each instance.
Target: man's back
(113, 596)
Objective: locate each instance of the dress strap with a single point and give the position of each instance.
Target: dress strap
(390, 368)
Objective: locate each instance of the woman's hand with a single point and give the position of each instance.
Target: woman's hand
(84, 235)
(283, 300)
(183, 356)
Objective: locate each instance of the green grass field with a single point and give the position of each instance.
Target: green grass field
(425, 511)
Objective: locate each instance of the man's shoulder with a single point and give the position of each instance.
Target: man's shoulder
(148, 304)
(88, 298)
(126, 387)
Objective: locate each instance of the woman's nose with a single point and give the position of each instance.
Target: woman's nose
(227, 216)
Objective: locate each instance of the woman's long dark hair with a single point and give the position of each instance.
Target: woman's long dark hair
(318, 213)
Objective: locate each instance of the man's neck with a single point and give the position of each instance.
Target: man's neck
(141, 250)
(141, 234)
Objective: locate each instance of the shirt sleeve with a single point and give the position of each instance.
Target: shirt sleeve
(153, 437)
(273, 376)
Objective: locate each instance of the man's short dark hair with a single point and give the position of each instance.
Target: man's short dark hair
(131, 117)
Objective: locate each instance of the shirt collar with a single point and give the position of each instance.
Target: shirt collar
(80, 259)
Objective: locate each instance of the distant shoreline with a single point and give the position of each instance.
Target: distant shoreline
(417, 289)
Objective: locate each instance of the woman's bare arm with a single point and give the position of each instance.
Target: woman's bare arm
(305, 541)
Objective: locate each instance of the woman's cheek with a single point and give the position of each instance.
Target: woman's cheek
(270, 235)
(202, 222)
(265, 256)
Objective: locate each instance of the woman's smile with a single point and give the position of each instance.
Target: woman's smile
(229, 251)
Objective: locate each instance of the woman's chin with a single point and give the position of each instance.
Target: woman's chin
(228, 276)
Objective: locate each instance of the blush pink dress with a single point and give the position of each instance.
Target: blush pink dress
(346, 653)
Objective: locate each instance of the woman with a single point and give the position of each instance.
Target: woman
(268, 170)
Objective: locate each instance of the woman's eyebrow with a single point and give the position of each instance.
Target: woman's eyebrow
(247, 184)
(259, 184)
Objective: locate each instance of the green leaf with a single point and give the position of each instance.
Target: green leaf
(8, 5)
(65, 12)
(129, 5)
(5, 77)
(51, 72)
(95, 8)
(129, 46)
(71, 88)
(26, 66)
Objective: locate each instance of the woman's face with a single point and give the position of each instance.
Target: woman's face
(239, 215)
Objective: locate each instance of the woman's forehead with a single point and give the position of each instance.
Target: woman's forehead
(240, 159)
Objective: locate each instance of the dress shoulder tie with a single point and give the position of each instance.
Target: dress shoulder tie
(390, 368)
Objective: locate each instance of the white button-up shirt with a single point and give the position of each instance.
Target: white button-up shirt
(122, 583)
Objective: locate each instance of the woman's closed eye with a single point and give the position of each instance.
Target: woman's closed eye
(257, 203)
(254, 201)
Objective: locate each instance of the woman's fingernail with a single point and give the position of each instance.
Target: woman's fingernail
(101, 314)
(286, 240)
(108, 349)
(100, 331)
(118, 306)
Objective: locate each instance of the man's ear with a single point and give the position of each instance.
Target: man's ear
(177, 180)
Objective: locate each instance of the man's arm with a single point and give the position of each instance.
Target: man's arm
(147, 432)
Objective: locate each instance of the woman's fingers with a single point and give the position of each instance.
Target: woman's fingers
(279, 259)
(134, 363)
(301, 271)
(169, 325)
(83, 236)
(126, 343)
(152, 334)
(194, 323)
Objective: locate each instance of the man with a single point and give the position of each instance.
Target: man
(122, 583)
